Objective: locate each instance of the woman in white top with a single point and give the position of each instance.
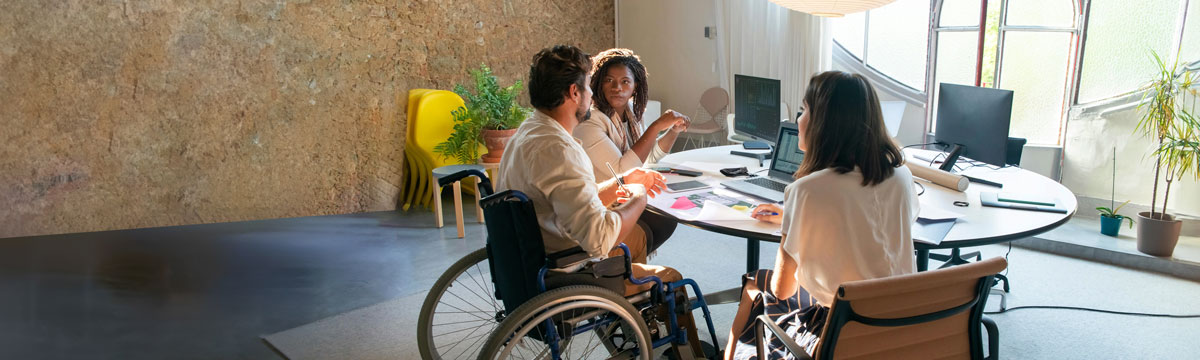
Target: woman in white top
(847, 217)
(613, 135)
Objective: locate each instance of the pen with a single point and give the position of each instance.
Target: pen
(617, 177)
(766, 213)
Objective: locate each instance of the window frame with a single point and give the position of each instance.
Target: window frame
(1081, 11)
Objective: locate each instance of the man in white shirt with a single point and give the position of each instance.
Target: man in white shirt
(546, 163)
(551, 167)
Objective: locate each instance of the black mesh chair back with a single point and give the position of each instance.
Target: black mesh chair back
(514, 245)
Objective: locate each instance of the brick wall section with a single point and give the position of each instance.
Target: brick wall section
(127, 114)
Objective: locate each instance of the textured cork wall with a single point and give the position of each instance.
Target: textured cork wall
(127, 114)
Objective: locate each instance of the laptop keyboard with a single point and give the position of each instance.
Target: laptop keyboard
(767, 183)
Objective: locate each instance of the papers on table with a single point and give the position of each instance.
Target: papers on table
(711, 204)
(929, 212)
(714, 211)
(933, 223)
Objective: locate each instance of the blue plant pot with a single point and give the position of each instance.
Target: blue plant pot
(1110, 226)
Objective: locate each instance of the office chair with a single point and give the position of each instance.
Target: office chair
(914, 316)
(714, 104)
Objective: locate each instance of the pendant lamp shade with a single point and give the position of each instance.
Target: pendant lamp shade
(831, 8)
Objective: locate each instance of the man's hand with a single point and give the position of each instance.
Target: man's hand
(631, 195)
(651, 180)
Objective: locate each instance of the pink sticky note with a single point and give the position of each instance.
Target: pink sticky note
(682, 203)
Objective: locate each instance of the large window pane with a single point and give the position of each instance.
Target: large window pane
(1058, 13)
(955, 61)
(960, 13)
(1190, 52)
(1034, 67)
(898, 35)
(1121, 34)
(850, 32)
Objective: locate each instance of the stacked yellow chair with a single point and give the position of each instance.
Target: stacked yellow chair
(429, 124)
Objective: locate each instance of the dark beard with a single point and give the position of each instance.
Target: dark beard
(583, 114)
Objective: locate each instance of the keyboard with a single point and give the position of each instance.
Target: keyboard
(767, 183)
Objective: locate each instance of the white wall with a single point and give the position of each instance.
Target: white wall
(1088, 165)
(668, 35)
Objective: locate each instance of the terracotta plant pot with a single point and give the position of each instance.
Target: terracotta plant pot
(1158, 236)
(496, 141)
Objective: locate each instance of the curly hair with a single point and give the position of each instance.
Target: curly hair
(607, 59)
(552, 73)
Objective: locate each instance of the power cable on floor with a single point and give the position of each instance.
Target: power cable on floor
(1093, 310)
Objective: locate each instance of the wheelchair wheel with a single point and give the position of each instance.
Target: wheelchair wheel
(589, 322)
(460, 311)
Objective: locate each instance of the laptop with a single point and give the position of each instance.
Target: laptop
(785, 160)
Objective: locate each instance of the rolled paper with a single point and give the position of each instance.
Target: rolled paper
(939, 177)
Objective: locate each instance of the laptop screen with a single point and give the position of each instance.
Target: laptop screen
(787, 157)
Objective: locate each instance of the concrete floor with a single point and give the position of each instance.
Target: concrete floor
(210, 291)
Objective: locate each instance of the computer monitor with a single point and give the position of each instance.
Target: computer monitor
(974, 121)
(756, 107)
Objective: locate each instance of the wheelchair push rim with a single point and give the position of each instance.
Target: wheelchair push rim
(529, 324)
(460, 311)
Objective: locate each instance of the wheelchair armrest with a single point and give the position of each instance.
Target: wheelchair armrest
(566, 258)
(790, 344)
(629, 271)
(484, 182)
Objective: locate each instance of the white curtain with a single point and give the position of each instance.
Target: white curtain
(760, 38)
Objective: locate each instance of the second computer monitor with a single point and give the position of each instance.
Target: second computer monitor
(756, 107)
(976, 118)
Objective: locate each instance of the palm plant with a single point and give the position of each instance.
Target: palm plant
(1176, 139)
(1180, 150)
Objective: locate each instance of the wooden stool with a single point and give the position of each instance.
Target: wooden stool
(438, 175)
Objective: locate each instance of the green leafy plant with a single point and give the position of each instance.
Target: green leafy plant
(489, 107)
(1174, 127)
(1112, 213)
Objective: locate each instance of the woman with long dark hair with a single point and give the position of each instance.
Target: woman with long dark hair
(613, 135)
(847, 216)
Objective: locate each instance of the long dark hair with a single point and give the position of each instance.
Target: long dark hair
(846, 130)
(608, 59)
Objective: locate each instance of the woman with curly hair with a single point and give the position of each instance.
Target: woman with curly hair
(613, 134)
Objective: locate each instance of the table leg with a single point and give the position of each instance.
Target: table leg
(922, 260)
(751, 255)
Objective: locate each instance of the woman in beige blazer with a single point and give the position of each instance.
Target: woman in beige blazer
(613, 135)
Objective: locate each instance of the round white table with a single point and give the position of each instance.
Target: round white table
(977, 225)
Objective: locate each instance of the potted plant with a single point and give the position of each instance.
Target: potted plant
(1175, 154)
(1110, 220)
(490, 116)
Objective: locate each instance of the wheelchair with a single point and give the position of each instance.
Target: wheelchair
(511, 300)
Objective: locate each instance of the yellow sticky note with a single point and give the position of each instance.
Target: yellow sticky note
(741, 207)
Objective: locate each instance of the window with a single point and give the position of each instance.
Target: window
(1028, 46)
(1121, 35)
(891, 39)
(1189, 51)
(1032, 47)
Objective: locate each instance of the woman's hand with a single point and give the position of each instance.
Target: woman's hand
(768, 212)
(671, 120)
(653, 182)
